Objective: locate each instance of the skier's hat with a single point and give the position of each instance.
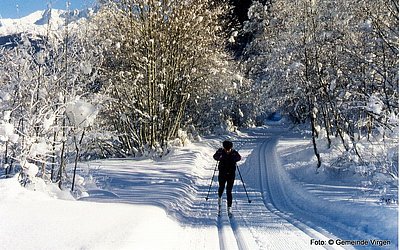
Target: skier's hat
(227, 145)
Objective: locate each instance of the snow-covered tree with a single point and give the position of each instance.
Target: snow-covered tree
(333, 63)
(42, 75)
(159, 56)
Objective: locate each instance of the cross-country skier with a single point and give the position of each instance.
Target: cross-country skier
(227, 158)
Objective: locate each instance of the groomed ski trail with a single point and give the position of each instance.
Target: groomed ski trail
(227, 239)
(270, 185)
(253, 225)
(302, 220)
(273, 183)
(232, 236)
(179, 184)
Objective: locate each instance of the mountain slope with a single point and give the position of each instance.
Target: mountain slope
(40, 23)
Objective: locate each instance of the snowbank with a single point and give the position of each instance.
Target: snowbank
(33, 220)
(338, 196)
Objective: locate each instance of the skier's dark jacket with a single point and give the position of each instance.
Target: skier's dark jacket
(227, 162)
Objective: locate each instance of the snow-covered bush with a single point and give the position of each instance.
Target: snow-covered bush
(80, 113)
(375, 165)
(7, 132)
(161, 75)
(40, 78)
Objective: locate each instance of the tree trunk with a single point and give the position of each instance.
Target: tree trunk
(77, 149)
(314, 133)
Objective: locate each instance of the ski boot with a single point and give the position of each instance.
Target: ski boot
(230, 214)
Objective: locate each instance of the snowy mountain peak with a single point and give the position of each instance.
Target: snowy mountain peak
(36, 22)
(53, 15)
(46, 17)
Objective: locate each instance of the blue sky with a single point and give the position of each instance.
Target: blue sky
(8, 8)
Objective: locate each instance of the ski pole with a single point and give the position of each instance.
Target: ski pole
(212, 178)
(248, 199)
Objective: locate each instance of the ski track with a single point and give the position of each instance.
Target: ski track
(278, 202)
(225, 233)
(271, 221)
(338, 229)
(262, 223)
(269, 186)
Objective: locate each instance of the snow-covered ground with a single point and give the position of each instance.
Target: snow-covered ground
(160, 204)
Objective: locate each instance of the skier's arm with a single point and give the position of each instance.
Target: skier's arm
(217, 156)
(236, 156)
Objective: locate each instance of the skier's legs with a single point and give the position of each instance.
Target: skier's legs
(221, 181)
(229, 187)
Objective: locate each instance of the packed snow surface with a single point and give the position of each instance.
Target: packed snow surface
(160, 204)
